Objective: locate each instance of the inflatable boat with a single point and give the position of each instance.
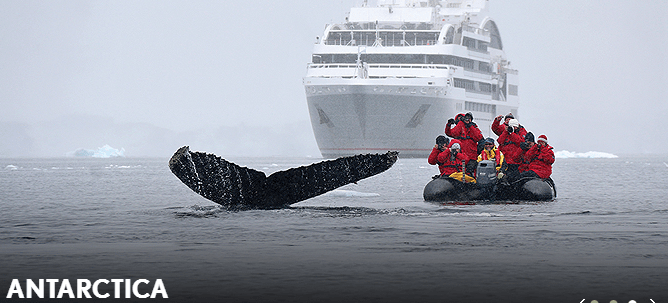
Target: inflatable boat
(488, 189)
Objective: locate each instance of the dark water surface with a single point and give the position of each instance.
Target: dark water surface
(604, 238)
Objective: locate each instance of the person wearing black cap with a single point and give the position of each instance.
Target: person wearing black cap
(452, 159)
(469, 134)
(510, 144)
(540, 158)
(453, 122)
(498, 128)
(441, 145)
(529, 142)
(490, 152)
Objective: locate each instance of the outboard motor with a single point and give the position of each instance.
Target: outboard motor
(486, 178)
(486, 173)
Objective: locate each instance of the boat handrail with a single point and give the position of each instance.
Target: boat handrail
(383, 65)
(402, 66)
(475, 30)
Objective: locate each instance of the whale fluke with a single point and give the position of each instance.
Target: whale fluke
(242, 188)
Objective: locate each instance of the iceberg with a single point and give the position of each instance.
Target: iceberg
(350, 193)
(105, 151)
(564, 154)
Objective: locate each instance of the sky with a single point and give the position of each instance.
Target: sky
(226, 76)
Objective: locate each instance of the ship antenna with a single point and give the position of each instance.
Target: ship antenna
(379, 40)
(360, 68)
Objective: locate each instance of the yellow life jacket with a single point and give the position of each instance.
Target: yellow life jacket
(492, 155)
(458, 176)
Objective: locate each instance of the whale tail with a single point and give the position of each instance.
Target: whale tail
(240, 188)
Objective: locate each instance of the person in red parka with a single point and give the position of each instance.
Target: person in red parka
(498, 128)
(451, 122)
(509, 144)
(540, 158)
(469, 134)
(529, 142)
(452, 159)
(441, 144)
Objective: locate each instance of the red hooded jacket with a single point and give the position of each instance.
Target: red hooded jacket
(509, 144)
(448, 127)
(540, 160)
(448, 164)
(433, 157)
(469, 135)
(498, 128)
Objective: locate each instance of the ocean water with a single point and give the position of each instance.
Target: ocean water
(604, 238)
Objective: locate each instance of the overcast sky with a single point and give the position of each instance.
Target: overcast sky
(592, 73)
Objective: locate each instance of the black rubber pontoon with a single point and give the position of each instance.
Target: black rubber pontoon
(487, 188)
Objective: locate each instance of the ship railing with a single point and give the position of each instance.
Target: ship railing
(475, 30)
(382, 37)
(510, 71)
(383, 65)
(474, 73)
(386, 43)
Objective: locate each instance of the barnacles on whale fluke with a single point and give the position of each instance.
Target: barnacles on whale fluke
(240, 188)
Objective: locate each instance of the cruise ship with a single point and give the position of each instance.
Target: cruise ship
(390, 76)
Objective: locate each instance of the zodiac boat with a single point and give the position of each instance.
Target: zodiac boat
(488, 188)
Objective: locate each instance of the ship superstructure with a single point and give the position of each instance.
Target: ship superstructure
(391, 75)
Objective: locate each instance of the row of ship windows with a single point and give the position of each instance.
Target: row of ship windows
(468, 85)
(399, 90)
(475, 86)
(392, 38)
(467, 64)
(410, 34)
(486, 88)
(474, 44)
(480, 107)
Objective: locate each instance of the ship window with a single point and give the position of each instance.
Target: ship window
(480, 107)
(450, 36)
(344, 58)
(484, 67)
(485, 87)
(466, 84)
(482, 46)
(512, 89)
(389, 38)
(474, 87)
(494, 35)
(468, 64)
(458, 61)
(468, 42)
(475, 45)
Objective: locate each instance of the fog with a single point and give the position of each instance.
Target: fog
(226, 77)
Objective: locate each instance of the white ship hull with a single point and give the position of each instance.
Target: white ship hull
(362, 120)
(374, 118)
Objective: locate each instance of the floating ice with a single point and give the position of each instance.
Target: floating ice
(122, 166)
(105, 151)
(11, 167)
(591, 154)
(350, 193)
